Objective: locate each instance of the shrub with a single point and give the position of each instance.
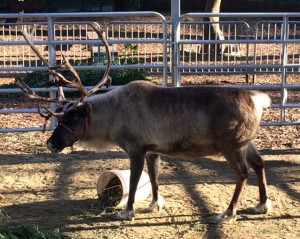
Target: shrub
(88, 78)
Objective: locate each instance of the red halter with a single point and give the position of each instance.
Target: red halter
(77, 133)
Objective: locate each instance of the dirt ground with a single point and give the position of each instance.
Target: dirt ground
(58, 192)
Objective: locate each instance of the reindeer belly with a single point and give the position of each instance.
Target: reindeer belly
(187, 149)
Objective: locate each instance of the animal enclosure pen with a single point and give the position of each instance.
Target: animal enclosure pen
(135, 44)
(58, 192)
(260, 50)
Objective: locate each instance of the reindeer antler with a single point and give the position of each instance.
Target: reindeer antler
(59, 80)
(29, 92)
(34, 96)
(106, 80)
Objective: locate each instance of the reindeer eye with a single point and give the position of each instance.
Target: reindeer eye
(76, 118)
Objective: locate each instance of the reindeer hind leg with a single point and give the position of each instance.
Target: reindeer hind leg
(236, 159)
(257, 163)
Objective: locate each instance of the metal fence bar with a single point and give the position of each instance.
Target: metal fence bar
(175, 49)
(53, 34)
(268, 34)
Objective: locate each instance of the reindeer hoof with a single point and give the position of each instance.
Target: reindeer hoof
(223, 218)
(124, 214)
(159, 204)
(262, 208)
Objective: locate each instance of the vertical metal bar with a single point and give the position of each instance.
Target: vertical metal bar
(23, 56)
(157, 46)
(175, 14)
(165, 52)
(255, 50)
(268, 45)
(235, 38)
(209, 46)
(80, 38)
(197, 47)
(182, 46)
(294, 46)
(202, 47)
(74, 38)
(145, 48)
(112, 37)
(284, 94)
(4, 48)
(274, 55)
(52, 59)
(138, 52)
(247, 54)
(261, 45)
(10, 47)
(42, 37)
(67, 36)
(191, 46)
(17, 48)
(151, 48)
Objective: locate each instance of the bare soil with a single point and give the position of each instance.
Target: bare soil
(58, 191)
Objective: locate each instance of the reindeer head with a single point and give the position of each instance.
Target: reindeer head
(73, 116)
(72, 126)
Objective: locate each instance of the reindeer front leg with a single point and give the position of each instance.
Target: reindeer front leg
(136, 169)
(153, 161)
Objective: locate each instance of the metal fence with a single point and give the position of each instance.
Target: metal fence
(261, 49)
(138, 42)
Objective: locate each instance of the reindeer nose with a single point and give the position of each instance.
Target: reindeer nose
(51, 147)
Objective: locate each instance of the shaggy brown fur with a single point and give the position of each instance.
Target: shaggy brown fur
(189, 122)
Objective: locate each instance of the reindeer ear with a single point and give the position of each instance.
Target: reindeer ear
(84, 109)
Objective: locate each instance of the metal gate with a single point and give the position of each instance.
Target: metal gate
(137, 41)
(262, 49)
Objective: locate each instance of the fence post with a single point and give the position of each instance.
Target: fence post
(52, 62)
(285, 32)
(175, 14)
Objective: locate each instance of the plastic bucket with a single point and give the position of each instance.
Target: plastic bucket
(143, 188)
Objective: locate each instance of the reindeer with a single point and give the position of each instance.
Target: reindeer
(147, 121)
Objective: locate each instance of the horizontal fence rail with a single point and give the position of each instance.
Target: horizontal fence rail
(78, 42)
(262, 49)
(135, 43)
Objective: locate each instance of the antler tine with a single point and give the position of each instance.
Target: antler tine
(76, 81)
(30, 93)
(60, 79)
(28, 38)
(51, 113)
(105, 79)
(47, 116)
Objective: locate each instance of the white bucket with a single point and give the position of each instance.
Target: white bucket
(143, 188)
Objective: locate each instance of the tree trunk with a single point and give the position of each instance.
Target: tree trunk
(212, 31)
